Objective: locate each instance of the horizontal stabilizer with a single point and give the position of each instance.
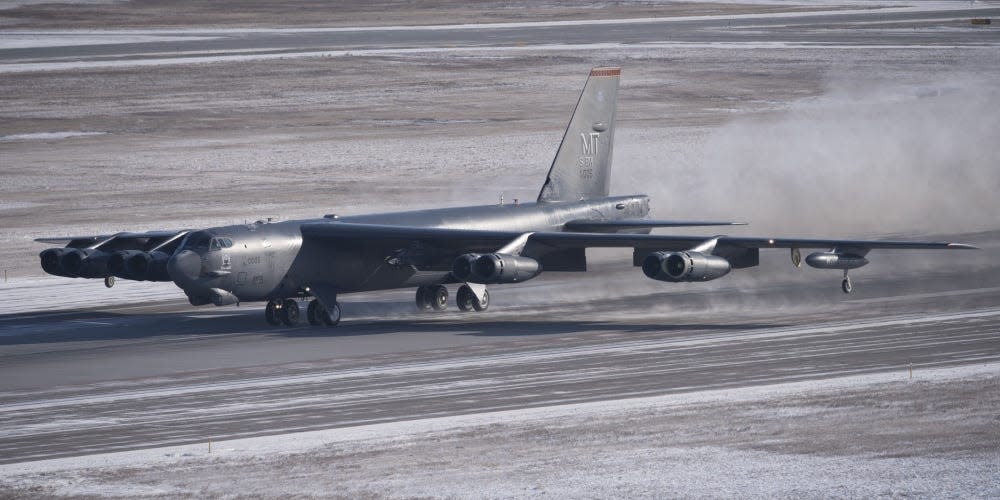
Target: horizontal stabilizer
(617, 226)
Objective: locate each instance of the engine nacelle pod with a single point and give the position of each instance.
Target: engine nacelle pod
(835, 260)
(116, 263)
(687, 266)
(85, 262)
(495, 268)
(461, 269)
(50, 260)
(502, 268)
(144, 266)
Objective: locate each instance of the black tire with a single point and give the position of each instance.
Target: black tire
(846, 285)
(315, 312)
(272, 313)
(465, 298)
(423, 298)
(439, 297)
(109, 281)
(290, 312)
(332, 316)
(481, 305)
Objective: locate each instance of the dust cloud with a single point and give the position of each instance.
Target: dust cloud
(862, 159)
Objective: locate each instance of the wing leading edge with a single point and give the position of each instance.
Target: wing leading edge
(472, 238)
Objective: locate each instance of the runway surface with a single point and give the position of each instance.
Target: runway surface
(38, 50)
(132, 377)
(141, 375)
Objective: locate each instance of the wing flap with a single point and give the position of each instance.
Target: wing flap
(617, 226)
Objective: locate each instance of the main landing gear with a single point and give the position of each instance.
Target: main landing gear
(436, 297)
(432, 297)
(468, 301)
(288, 312)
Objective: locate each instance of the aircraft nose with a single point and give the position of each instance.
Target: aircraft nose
(184, 267)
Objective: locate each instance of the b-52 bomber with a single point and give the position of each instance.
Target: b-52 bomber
(293, 262)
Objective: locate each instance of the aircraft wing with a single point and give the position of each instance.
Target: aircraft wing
(96, 240)
(667, 242)
(476, 240)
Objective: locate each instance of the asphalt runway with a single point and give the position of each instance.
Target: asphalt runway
(921, 27)
(132, 377)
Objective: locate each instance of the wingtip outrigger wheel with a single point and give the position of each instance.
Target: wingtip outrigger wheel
(846, 285)
(796, 258)
(109, 281)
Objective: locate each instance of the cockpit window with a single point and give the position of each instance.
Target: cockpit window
(198, 241)
(220, 243)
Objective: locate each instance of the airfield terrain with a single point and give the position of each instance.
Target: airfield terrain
(828, 119)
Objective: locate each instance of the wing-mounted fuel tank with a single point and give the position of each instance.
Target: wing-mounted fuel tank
(495, 268)
(837, 259)
(686, 266)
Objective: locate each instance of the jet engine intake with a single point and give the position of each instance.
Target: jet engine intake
(835, 260)
(495, 268)
(144, 266)
(686, 266)
(116, 263)
(461, 269)
(85, 262)
(51, 261)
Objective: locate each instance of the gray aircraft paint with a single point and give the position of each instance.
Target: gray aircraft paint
(581, 169)
(325, 257)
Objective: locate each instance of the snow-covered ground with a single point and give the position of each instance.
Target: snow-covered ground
(763, 441)
(23, 296)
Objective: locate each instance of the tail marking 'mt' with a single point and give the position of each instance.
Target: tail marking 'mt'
(581, 169)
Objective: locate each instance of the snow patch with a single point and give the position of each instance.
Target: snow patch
(48, 136)
(75, 39)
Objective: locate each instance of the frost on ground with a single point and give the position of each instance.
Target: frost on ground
(932, 435)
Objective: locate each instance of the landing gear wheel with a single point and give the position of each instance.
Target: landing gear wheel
(439, 297)
(319, 315)
(423, 298)
(332, 316)
(315, 312)
(481, 305)
(290, 312)
(109, 281)
(272, 312)
(846, 285)
(465, 298)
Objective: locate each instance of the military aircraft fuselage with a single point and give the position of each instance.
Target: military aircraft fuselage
(266, 260)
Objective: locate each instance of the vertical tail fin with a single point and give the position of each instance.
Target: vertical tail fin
(582, 166)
